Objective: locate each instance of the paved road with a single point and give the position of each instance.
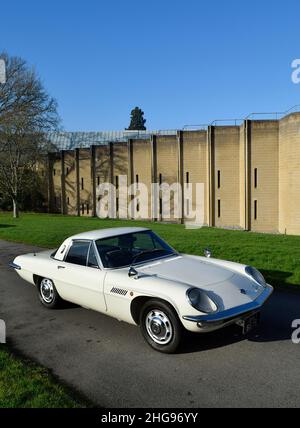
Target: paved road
(109, 362)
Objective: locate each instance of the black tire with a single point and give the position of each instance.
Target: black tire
(48, 294)
(160, 326)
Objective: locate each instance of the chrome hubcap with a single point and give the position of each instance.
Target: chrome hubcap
(47, 290)
(159, 327)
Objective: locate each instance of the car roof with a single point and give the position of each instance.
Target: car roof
(107, 233)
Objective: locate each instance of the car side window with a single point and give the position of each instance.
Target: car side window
(78, 253)
(92, 259)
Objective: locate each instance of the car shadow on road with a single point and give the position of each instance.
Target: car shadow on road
(63, 305)
(276, 325)
(277, 278)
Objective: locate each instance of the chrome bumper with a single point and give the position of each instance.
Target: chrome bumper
(14, 266)
(235, 312)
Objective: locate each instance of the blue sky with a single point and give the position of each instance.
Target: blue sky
(182, 62)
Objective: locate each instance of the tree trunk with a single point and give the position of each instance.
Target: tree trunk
(15, 208)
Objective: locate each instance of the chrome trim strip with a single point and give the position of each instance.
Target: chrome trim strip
(233, 312)
(14, 266)
(100, 264)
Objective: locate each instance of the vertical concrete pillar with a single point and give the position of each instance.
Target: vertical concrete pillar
(130, 170)
(154, 193)
(247, 136)
(111, 162)
(93, 179)
(111, 171)
(77, 184)
(50, 182)
(63, 183)
(181, 172)
(211, 175)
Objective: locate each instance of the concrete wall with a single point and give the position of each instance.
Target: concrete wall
(167, 167)
(102, 164)
(227, 176)
(85, 182)
(242, 176)
(258, 162)
(141, 170)
(289, 174)
(56, 183)
(120, 168)
(264, 160)
(195, 164)
(70, 183)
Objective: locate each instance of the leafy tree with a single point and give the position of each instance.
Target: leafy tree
(137, 122)
(26, 113)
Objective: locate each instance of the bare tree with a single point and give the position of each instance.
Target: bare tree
(27, 112)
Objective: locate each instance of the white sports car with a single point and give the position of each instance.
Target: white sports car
(133, 275)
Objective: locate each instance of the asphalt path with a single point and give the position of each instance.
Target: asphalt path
(109, 362)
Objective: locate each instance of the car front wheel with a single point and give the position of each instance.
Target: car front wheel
(160, 326)
(48, 294)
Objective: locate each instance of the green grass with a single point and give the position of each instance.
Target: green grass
(24, 384)
(277, 256)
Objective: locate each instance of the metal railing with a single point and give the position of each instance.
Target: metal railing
(195, 127)
(275, 115)
(233, 122)
(71, 140)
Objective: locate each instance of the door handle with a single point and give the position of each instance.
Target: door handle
(61, 267)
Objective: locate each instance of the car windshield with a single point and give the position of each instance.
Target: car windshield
(132, 248)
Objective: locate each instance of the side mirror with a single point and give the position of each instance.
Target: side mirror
(207, 253)
(132, 272)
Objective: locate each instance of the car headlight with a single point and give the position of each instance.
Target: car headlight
(200, 301)
(256, 275)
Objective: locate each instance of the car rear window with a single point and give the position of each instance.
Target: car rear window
(78, 253)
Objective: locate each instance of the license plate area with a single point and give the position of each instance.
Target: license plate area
(249, 323)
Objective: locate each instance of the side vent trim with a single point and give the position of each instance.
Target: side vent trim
(119, 291)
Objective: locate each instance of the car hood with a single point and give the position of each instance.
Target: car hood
(188, 270)
(227, 287)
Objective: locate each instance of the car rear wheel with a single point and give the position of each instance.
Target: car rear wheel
(48, 294)
(160, 326)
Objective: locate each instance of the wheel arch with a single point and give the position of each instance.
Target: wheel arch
(139, 302)
(37, 279)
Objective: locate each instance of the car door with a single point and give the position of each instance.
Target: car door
(80, 277)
